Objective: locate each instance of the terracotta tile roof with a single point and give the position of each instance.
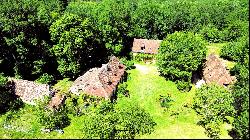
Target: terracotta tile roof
(102, 81)
(215, 71)
(146, 46)
(29, 91)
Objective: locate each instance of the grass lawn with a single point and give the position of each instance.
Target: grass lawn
(178, 121)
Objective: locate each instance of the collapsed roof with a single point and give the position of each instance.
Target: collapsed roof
(215, 71)
(102, 81)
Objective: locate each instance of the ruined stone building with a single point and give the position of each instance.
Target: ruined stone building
(215, 71)
(102, 81)
(146, 46)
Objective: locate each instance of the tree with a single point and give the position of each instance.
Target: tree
(180, 55)
(77, 48)
(24, 39)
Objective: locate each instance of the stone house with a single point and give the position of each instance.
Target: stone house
(101, 82)
(146, 46)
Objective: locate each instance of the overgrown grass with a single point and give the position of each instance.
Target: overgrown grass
(178, 121)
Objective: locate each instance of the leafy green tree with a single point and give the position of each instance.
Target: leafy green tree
(76, 48)
(213, 104)
(25, 37)
(180, 55)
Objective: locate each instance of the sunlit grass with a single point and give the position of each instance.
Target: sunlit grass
(215, 48)
(146, 90)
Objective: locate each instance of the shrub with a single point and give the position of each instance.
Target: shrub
(45, 79)
(213, 104)
(8, 100)
(235, 30)
(82, 104)
(241, 125)
(123, 120)
(235, 50)
(143, 57)
(122, 90)
(211, 33)
(63, 86)
(52, 118)
(165, 101)
(240, 93)
(179, 55)
(128, 63)
(183, 86)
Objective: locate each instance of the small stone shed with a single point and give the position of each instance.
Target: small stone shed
(29, 91)
(102, 81)
(146, 46)
(215, 71)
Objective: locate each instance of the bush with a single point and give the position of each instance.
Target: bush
(183, 86)
(143, 57)
(240, 94)
(122, 90)
(52, 118)
(123, 120)
(8, 100)
(82, 104)
(128, 63)
(45, 79)
(235, 30)
(213, 104)
(165, 101)
(234, 50)
(211, 33)
(62, 86)
(179, 55)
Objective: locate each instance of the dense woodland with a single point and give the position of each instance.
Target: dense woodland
(55, 41)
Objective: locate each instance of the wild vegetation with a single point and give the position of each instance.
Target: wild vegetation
(55, 41)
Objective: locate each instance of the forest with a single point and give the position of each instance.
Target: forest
(55, 41)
